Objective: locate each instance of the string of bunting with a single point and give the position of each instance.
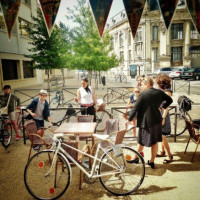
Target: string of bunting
(101, 9)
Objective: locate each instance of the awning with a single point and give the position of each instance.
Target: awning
(194, 48)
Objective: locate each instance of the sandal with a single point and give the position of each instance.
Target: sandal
(162, 154)
(166, 161)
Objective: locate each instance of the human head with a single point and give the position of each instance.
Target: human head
(147, 83)
(163, 81)
(7, 89)
(43, 93)
(139, 80)
(84, 82)
(136, 91)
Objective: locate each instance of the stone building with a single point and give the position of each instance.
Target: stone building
(154, 46)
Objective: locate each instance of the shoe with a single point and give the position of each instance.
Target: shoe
(17, 138)
(151, 164)
(162, 154)
(36, 148)
(136, 161)
(166, 161)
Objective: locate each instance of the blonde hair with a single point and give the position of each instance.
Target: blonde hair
(148, 81)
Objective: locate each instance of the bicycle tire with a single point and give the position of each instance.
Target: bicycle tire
(49, 187)
(101, 118)
(6, 134)
(127, 181)
(107, 98)
(181, 126)
(126, 96)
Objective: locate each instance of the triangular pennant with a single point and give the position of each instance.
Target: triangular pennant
(167, 8)
(194, 9)
(134, 9)
(101, 9)
(10, 10)
(50, 11)
(153, 4)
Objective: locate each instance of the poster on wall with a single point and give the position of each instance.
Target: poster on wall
(194, 9)
(50, 11)
(167, 9)
(134, 9)
(10, 10)
(100, 9)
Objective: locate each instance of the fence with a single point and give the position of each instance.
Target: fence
(183, 86)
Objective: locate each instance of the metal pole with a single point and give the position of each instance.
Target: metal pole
(23, 126)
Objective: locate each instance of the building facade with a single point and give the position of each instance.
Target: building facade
(155, 46)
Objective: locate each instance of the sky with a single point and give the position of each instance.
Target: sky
(116, 7)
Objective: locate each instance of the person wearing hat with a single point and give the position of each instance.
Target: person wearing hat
(11, 106)
(39, 111)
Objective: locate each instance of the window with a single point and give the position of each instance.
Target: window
(28, 2)
(122, 56)
(121, 40)
(176, 53)
(155, 51)
(28, 70)
(2, 24)
(139, 35)
(194, 33)
(9, 69)
(23, 27)
(177, 31)
(155, 33)
(112, 43)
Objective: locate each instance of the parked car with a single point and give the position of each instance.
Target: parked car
(192, 73)
(176, 72)
(164, 70)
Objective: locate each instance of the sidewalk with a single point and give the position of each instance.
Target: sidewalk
(178, 180)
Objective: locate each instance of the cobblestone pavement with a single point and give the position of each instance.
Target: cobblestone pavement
(178, 180)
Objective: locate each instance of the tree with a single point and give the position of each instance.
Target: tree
(90, 51)
(48, 52)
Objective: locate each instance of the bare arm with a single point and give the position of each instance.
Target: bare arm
(31, 113)
(166, 109)
(78, 98)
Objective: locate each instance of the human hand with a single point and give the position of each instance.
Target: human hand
(33, 115)
(76, 99)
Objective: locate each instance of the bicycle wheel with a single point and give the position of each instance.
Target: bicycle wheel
(108, 98)
(130, 176)
(6, 134)
(181, 126)
(43, 186)
(127, 95)
(101, 118)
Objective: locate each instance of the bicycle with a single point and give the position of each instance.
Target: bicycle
(179, 117)
(117, 95)
(114, 168)
(6, 131)
(101, 116)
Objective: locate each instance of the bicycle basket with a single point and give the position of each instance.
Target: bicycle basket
(185, 103)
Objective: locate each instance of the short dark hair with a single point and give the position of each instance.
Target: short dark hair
(6, 87)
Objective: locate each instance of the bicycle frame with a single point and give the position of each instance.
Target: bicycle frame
(95, 159)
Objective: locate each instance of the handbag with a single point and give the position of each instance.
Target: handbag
(4, 110)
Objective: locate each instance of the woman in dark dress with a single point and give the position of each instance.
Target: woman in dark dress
(149, 119)
(164, 83)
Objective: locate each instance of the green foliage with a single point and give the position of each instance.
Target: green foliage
(90, 51)
(48, 52)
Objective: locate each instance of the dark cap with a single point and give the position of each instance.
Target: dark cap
(6, 87)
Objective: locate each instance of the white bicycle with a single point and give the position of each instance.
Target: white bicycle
(47, 175)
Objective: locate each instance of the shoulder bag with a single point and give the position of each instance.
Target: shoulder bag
(4, 110)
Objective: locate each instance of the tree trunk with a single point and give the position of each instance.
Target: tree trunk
(48, 75)
(63, 76)
(96, 80)
(90, 77)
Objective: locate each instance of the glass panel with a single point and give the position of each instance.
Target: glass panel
(176, 53)
(28, 70)
(9, 69)
(23, 25)
(177, 31)
(155, 33)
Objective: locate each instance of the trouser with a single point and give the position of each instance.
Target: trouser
(89, 111)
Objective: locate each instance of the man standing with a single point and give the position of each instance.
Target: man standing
(11, 107)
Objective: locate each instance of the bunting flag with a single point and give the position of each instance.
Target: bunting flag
(167, 8)
(194, 9)
(100, 9)
(153, 4)
(50, 11)
(134, 9)
(10, 10)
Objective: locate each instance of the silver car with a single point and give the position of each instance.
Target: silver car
(176, 72)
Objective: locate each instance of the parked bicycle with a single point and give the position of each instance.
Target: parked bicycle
(5, 131)
(113, 165)
(101, 116)
(118, 94)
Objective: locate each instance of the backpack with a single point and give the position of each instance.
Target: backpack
(185, 103)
